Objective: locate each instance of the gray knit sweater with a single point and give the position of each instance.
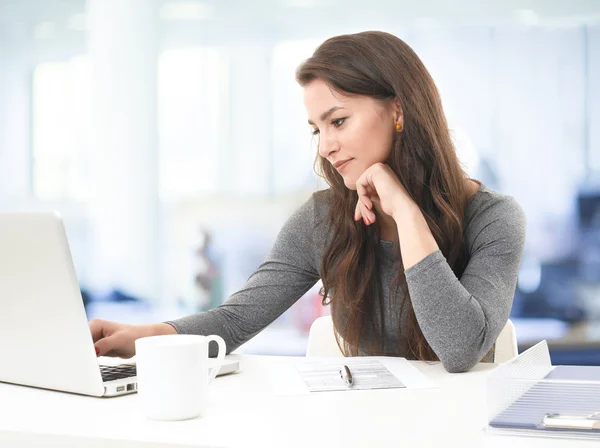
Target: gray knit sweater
(460, 318)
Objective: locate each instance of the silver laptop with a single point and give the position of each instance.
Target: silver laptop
(45, 339)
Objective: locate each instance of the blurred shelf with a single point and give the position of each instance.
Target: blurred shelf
(559, 334)
(132, 312)
(532, 330)
(576, 344)
(276, 341)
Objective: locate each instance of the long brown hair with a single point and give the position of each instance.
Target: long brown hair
(383, 67)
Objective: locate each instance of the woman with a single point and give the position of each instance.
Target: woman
(416, 259)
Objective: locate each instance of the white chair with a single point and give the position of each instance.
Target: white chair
(506, 344)
(321, 341)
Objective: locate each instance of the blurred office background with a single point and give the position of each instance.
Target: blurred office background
(172, 138)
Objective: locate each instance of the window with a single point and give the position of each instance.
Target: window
(60, 117)
(191, 84)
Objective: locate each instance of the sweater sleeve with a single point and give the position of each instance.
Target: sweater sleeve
(461, 319)
(288, 271)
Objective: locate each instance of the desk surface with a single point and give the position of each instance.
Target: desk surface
(244, 411)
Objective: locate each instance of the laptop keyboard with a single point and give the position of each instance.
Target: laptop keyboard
(111, 373)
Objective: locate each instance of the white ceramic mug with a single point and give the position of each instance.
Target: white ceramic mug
(172, 374)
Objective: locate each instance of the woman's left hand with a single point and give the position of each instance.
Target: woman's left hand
(379, 185)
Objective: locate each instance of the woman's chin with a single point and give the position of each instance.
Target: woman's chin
(350, 183)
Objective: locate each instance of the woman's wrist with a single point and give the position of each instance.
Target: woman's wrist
(161, 329)
(404, 208)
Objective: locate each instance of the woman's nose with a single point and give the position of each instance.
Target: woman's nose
(327, 146)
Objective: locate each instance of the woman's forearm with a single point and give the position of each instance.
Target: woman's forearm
(416, 239)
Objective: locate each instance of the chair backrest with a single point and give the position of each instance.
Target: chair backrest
(321, 341)
(506, 344)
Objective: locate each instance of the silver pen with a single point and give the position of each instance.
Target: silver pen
(346, 375)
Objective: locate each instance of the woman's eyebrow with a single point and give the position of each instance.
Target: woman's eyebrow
(327, 113)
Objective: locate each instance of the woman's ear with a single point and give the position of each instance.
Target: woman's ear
(398, 113)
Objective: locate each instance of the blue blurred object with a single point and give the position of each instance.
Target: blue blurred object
(588, 214)
(555, 297)
(117, 295)
(86, 297)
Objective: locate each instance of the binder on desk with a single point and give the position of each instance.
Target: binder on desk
(528, 395)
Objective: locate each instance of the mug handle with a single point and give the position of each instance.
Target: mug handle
(220, 355)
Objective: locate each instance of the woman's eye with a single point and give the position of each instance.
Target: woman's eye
(337, 123)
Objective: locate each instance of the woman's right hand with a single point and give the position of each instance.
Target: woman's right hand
(118, 340)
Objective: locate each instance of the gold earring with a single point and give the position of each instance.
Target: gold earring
(398, 127)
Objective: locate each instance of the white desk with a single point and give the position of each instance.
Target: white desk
(244, 411)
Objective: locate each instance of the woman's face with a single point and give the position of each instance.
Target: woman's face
(354, 132)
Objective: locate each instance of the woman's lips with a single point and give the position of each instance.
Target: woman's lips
(341, 164)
